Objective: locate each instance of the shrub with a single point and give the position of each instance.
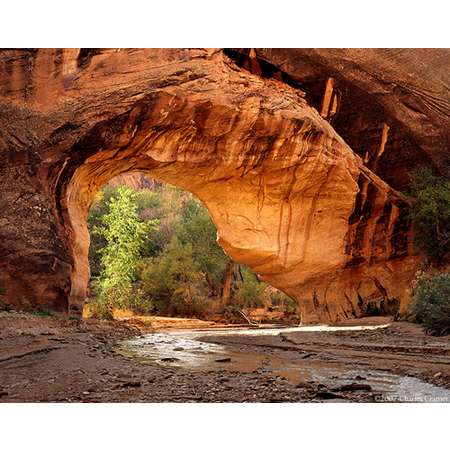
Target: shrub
(101, 308)
(157, 252)
(431, 302)
(138, 302)
(431, 212)
(173, 281)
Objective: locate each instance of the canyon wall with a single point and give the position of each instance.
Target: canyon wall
(247, 131)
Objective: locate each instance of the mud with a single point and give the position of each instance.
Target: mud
(50, 359)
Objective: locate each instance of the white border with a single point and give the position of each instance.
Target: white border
(223, 426)
(231, 23)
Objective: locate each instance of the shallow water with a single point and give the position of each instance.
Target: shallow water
(185, 349)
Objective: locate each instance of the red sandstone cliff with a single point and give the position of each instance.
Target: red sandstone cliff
(296, 153)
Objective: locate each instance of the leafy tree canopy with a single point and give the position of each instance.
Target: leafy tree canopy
(431, 212)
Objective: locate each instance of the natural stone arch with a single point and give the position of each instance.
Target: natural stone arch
(267, 210)
(288, 196)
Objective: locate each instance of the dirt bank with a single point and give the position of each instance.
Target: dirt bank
(56, 360)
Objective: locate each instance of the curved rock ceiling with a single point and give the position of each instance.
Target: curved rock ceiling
(298, 155)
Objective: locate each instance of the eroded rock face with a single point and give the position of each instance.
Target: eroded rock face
(288, 195)
(404, 92)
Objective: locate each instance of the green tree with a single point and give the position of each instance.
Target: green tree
(98, 209)
(431, 212)
(123, 233)
(196, 228)
(431, 302)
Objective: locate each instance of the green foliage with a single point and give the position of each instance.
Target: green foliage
(123, 233)
(148, 202)
(174, 282)
(431, 302)
(249, 290)
(431, 213)
(98, 209)
(196, 228)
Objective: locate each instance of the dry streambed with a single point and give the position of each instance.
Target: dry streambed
(52, 359)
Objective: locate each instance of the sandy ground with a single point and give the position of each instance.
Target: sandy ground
(50, 359)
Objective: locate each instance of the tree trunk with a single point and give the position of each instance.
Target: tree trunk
(228, 282)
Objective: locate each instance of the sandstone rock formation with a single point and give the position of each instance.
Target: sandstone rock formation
(290, 197)
(406, 90)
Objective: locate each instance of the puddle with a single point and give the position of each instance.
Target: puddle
(185, 349)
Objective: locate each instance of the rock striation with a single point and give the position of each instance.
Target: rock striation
(297, 181)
